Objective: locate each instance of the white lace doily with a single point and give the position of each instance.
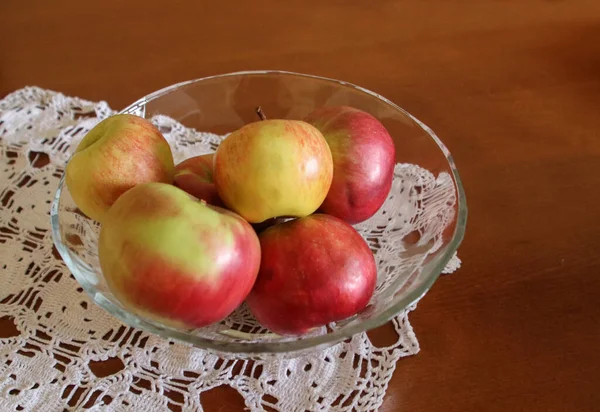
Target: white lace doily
(59, 332)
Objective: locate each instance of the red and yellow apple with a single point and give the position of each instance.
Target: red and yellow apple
(167, 256)
(273, 168)
(195, 176)
(118, 153)
(314, 270)
(364, 157)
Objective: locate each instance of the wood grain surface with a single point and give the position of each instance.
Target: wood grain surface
(513, 89)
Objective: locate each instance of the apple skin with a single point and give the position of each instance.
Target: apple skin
(364, 157)
(314, 270)
(177, 260)
(273, 168)
(118, 153)
(195, 176)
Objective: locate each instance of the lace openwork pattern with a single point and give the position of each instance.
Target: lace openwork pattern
(56, 333)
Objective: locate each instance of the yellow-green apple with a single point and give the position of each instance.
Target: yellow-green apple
(118, 153)
(364, 157)
(314, 270)
(168, 256)
(273, 168)
(195, 176)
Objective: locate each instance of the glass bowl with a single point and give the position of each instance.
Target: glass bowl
(413, 236)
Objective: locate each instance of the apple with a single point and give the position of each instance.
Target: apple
(273, 168)
(195, 176)
(364, 157)
(314, 270)
(118, 153)
(167, 256)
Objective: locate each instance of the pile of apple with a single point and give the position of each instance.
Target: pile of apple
(265, 219)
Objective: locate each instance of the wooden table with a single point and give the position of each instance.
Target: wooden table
(513, 88)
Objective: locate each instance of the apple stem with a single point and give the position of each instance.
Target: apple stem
(260, 113)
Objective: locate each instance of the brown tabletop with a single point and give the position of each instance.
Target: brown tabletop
(513, 89)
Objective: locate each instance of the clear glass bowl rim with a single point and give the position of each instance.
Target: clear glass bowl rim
(299, 345)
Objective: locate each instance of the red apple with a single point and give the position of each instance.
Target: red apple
(172, 258)
(314, 270)
(364, 157)
(195, 176)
